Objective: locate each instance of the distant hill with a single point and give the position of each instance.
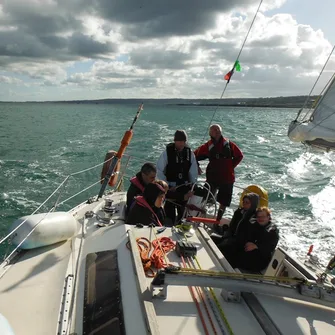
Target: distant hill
(284, 102)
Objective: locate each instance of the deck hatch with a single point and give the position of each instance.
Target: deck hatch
(103, 312)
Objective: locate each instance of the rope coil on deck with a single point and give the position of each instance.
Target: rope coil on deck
(153, 254)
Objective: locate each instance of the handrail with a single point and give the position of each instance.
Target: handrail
(14, 230)
(62, 185)
(59, 188)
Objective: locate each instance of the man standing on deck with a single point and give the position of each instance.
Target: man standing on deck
(178, 167)
(224, 156)
(137, 184)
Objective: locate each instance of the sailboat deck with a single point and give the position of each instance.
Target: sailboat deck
(178, 313)
(31, 289)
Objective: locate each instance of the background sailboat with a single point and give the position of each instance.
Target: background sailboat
(316, 127)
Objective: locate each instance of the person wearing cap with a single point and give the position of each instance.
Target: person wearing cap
(223, 156)
(178, 167)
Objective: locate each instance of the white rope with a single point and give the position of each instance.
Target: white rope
(91, 168)
(85, 189)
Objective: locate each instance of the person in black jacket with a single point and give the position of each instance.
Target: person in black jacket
(137, 184)
(234, 238)
(241, 215)
(262, 239)
(178, 167)
(148, 208)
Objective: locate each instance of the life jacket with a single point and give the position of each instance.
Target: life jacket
(179, 163)
(142, 202)
(136, 182)
(224, 152)
(220, 168)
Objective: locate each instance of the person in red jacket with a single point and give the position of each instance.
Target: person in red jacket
(137, 183)
(224, 156)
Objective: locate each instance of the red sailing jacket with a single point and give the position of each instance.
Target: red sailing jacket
(137, 183)
(142, 202)
(223, 157)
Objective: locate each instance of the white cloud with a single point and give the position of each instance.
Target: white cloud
(145, 50)
(10, 80)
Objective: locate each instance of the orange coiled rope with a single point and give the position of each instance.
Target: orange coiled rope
(161, 246)
(144, 247)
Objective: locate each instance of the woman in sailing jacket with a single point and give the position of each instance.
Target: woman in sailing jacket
(148, 209)
(235, 237)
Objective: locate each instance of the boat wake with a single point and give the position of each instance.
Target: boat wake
(308, 166)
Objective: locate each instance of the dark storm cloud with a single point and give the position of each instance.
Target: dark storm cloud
(56, 30)
(82, 45)
(43, 33)
(22, 47)
(39, 20)
(133, 11)
(159, 18)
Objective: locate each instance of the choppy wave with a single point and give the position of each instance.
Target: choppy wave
(323, 206)
(300, 183)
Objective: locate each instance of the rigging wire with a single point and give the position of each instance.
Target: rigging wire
(232, 71)
(317, 101)
(328, 116)
(307, 99)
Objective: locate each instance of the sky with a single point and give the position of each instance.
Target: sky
(96, 49)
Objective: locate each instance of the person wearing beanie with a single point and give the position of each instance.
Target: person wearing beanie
(180, 135)
(178, 167)
(148, 208)
(223, 156)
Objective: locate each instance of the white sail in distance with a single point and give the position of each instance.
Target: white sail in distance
(319, 129)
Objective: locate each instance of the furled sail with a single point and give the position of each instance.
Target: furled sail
(319, 129)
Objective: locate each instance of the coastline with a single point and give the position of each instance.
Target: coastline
(271, 102)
